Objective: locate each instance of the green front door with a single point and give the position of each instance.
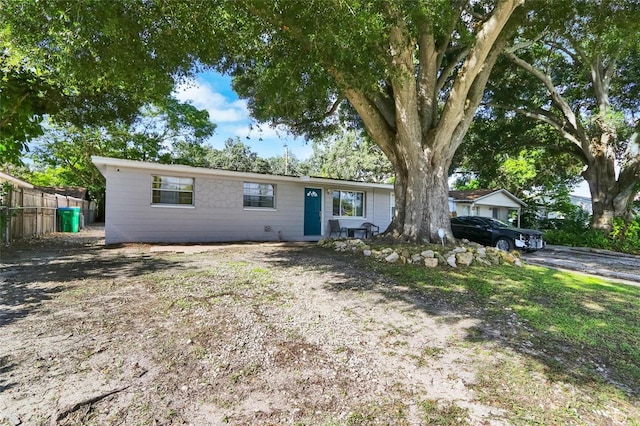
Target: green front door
(312, 211)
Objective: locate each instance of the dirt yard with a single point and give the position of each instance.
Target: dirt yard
(225, 334)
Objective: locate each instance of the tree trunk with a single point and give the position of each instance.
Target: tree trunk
(413, 127)
(610, 198)
(422, 193)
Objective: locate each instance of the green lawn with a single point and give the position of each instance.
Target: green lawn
(573, 330)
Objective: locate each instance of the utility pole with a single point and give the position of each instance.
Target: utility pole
(286, 159)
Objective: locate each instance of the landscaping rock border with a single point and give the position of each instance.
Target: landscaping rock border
(467, 254)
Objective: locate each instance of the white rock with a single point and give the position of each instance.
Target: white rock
(392, 257)
(366, 253)
(464, 258)
(430, 262)
(451, 260)
(427, 253)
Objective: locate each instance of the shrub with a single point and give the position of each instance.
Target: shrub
(624, 237)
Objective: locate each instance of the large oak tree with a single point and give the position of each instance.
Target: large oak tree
(575, 69)
(411, 73)
(414, 73)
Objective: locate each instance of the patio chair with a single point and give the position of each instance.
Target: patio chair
(371, 229)
(335, 228)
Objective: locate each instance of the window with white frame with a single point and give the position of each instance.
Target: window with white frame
(348, 203)
(259, 195)
(172, 190)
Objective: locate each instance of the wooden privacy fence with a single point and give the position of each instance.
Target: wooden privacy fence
(27, 213)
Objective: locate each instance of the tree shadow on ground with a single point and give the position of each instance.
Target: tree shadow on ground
(28, 281)
(5, 367)
(565, 358)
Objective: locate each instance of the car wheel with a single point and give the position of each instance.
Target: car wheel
(504, 244)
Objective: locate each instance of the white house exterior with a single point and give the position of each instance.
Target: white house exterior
(149, 202)
(496, 203)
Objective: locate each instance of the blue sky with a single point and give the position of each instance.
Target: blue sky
(212, 92)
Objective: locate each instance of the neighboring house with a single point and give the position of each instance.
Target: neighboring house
(78, 192)
(583, 202)
(5, 177)
(545, 212)
(149, 202)
(496, 203)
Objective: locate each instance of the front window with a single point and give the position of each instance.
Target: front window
(348, 203)
(259, 195)
(172, 190)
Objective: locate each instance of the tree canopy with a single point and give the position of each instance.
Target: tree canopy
(574, 68)
(411, 73)
(349, 155)
(160, 133)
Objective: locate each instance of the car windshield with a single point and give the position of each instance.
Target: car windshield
(499, 224)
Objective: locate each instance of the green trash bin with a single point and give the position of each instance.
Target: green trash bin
(69, 219)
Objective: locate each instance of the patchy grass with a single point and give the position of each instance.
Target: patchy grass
(582, 334)
(443, 414)
(302, 335)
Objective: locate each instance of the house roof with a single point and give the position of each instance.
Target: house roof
(103, 162)
(14, 180)
(471, 194)
(70, 191)
(478, 195)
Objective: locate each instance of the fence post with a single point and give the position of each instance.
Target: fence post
(4, 223)
(5, 204)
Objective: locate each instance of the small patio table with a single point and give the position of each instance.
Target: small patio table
(351, 232)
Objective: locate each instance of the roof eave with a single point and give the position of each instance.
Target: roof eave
(103, 162)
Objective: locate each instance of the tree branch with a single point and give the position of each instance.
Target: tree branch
(446, 72)
(320, 118)
(59, 415)
(6, 120)
(374, 120)
(549, 118)
(558, 100)
(427, 76)
(403, 82)
(457, 102)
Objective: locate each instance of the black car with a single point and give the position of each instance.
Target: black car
(492, 232)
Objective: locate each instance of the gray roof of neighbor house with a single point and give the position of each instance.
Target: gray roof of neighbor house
(474, 195)
(471, 194)
(6, 177)
(69, 191)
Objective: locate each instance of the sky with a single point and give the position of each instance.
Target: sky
(212, 91)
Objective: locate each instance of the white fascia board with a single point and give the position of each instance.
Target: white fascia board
(103, 162)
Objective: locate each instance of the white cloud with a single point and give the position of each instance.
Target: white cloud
(213, 93)
(220, 108)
